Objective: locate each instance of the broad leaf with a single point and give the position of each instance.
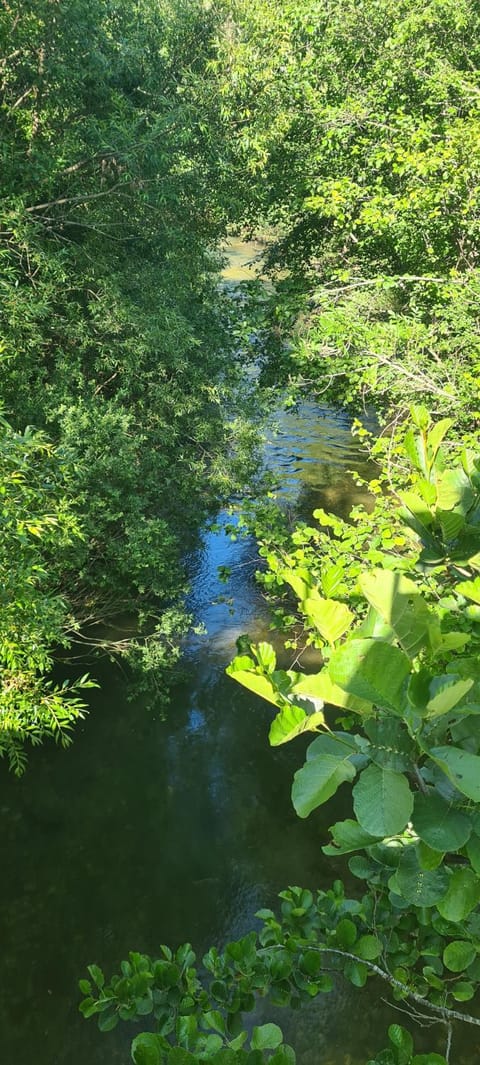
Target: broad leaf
(147, 1049)
(439, 824)
(291, 721)
(330, 618)
(371, 670)
(266, 1037)
(470, 589)
(398, 601)
(462, 896)
(245, 670)
(382, 801)
(458, 955)
(348, 836)
(321, 686)
(461, 767)
(446, 692)
(454, 490)
(318, 780)
(340, 744)
(420, 887)
(390, 744)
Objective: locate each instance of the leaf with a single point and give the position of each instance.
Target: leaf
(329, 617)
(318, 780)
(331, 579)
(451, 523)
(470, 589)
(368, 947)
(437, 434)
(458, 955)
(463, 991)
(245, 671)
(473, 853)
(291, 721)
(348, 836)
(266, 656)
(300, 580)
(382, 801)
(321, 686)
(439, 824)
(446, 692)
(403, 1043)
(418, 507)
(390, 744)
(421, 887)
(340, 744)
(96, 975)
(356, 972)
(147, 1049)
(461, 767)
(462, 896)
(346, 933)
(266, 1037)
(400, 604)
(108, 1021)
(454, 490)
(371, 670)
(427, 857)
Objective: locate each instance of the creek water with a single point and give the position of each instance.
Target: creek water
(148, 831)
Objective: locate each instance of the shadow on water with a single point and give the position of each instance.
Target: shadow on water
(148, 831)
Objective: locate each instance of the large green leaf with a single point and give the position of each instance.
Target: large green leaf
(398, 601)
(244, 669)
(454, 490)
(390, 744)
(421, 887)
(371, 670)
(318, 780)
(147, 1049)
(348, 836)
(291, 721)
(462, 896)
(470, 589)
(458, 955)
(382, 801)
(340, 744)
(461, 767)
(266, 1037)
(330, 618)
(436, 435)
(439, 824)
(446, 692)
(321, 686)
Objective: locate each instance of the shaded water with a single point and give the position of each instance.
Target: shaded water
(150, 831)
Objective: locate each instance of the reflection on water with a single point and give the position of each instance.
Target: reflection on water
(244, 260)
(150, 831)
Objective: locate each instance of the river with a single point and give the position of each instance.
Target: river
(148, 831)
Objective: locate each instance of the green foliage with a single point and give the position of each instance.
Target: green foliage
(115, 335)
(401, 666)
(291, 960)
(39, 528)
(355, 126)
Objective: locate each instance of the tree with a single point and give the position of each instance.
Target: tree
(115, 334)
(39, 528)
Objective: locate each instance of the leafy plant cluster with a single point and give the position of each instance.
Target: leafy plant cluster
(399, 643)
(115, 335)
(196, 1014)
(356, 130)
(38, 528)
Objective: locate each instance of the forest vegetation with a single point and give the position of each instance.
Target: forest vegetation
(134, 136)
